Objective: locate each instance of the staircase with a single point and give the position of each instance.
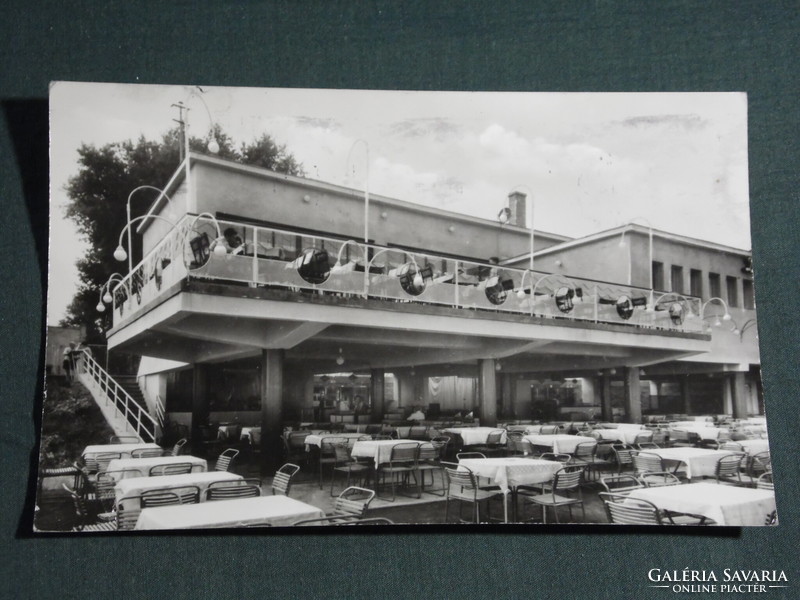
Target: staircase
(120, 400)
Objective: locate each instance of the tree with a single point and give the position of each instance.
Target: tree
(98, 194)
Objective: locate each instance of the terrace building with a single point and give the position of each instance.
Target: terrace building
(303, 319)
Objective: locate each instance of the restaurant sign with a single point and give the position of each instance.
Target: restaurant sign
(726, 581)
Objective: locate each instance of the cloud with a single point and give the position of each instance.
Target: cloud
(687, 121)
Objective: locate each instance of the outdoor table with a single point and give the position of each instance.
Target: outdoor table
(560, 443)
(754, 446)
(251, 433)
(278, 511)
(725, 504)
(702, 431)
(135, 486)
(509, 472)
(227, 431)
(124, 450)
(625, 436)
(700, 462)
(475, 435)
(145, 464)
(316, 440)
(378, 450)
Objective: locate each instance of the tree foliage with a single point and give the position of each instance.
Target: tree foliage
(98, 194)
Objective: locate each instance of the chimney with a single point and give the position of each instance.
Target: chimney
(518, 207)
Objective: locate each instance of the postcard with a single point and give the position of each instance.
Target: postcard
(275, 308)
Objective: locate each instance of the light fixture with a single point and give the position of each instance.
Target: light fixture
(451, 229)
(213, 146)
(100, 307)
(498, 366)
(384, 215)
(504, 216)
(306, 198)
(107, 298)
(340, 358)
(612, 371)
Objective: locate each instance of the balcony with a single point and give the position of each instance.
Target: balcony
(306, 264)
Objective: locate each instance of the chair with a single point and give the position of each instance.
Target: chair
(327, 453)
(622, 510)
(494, 443)
(402, 465)
(225, 460)
(765, 481)
(83, 522)
(586, 455)
(429, 458)
(548, 430)
(659, 478)
(125, 439)
(514, 443)
(729, 469)
(282, 481)
(621, 484)
(294, 447)
(758, 464)
(469, 455)
(418, 432)
(147, 453)
(646, 462)
(99, 462)
(557, 457)
(462, 485)
(345, 464)
(647, 446)
(127, 513)
(227, 490)
(177, 449)
(171, 469)
(682, 438)
(155, 498)
(353, 501)
(564, 491)
(623, 456)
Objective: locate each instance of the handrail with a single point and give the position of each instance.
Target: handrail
(269, 259)
(124, 404)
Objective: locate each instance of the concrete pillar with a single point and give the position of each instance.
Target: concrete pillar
(487, 392)
(507, 395)
(686, 395)
(605, 407)
(633, 395)
(739, 396)
(271, 409)
(378, 400)
(200, 410)
(727, 397)
(406, 396)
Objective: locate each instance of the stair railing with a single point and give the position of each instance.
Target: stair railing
(134, 414)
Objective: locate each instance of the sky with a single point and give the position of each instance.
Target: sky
(591, 161)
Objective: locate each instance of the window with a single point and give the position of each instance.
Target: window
(658, 275)
(733, 292)
(696, 283)
(714, 286)
(748, 294)
(676, 274)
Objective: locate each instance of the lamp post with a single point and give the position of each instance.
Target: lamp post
(338, 265)
(418, 280)
(536, 286)
(725, 317)
(128, 214)
(366, 185)
(623, 244)
(105, 293)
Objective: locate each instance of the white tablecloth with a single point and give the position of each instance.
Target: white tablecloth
(252, 433)
(725, 504)
(378, 450)
(700, 462)
(560, 443)
(475, 435)
(145, 464)
(754, 446)
(124, 450)
(512, 471)
(704, 432)
(316, 440)
(626, 436)
(278, 511)
(134, 486)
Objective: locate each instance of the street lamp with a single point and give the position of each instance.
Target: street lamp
(623, 244)
(338, 266)
(725, 317)
(366, 185)
(105, 293)
(128, 214)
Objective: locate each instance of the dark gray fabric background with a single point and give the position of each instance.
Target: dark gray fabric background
(525, 46)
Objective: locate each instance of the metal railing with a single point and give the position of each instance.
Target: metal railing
(269, 257)
(117, 397)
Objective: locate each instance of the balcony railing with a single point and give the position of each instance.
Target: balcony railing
(277, 258)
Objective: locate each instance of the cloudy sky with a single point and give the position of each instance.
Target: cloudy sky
(591, 161)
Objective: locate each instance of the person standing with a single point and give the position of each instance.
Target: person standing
(66, 363)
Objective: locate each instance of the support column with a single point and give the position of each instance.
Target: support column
(200, 410)
(739, 396)
(488, 392)
(686, 395)
(633, 394)
(727, 397)
(605, 406)
(378, 400)
(271, 409)
(508, 400)
(406, 396)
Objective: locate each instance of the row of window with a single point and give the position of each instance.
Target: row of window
(714, 290)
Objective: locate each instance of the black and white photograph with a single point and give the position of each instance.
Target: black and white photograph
(320, 308)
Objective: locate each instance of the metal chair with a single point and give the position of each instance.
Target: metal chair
(462, 485)
(429, 459)
(225, 460)
(623, 456)
(227, 490)
(345, 464)
(177, 449)
(729, 470)
(282, 481)
(621, 484)
(564, 491)
(171, 469)
(402, 465)
(146, 452)
(125, 439)
(622, 510)
(83, 521)
(353, 501)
